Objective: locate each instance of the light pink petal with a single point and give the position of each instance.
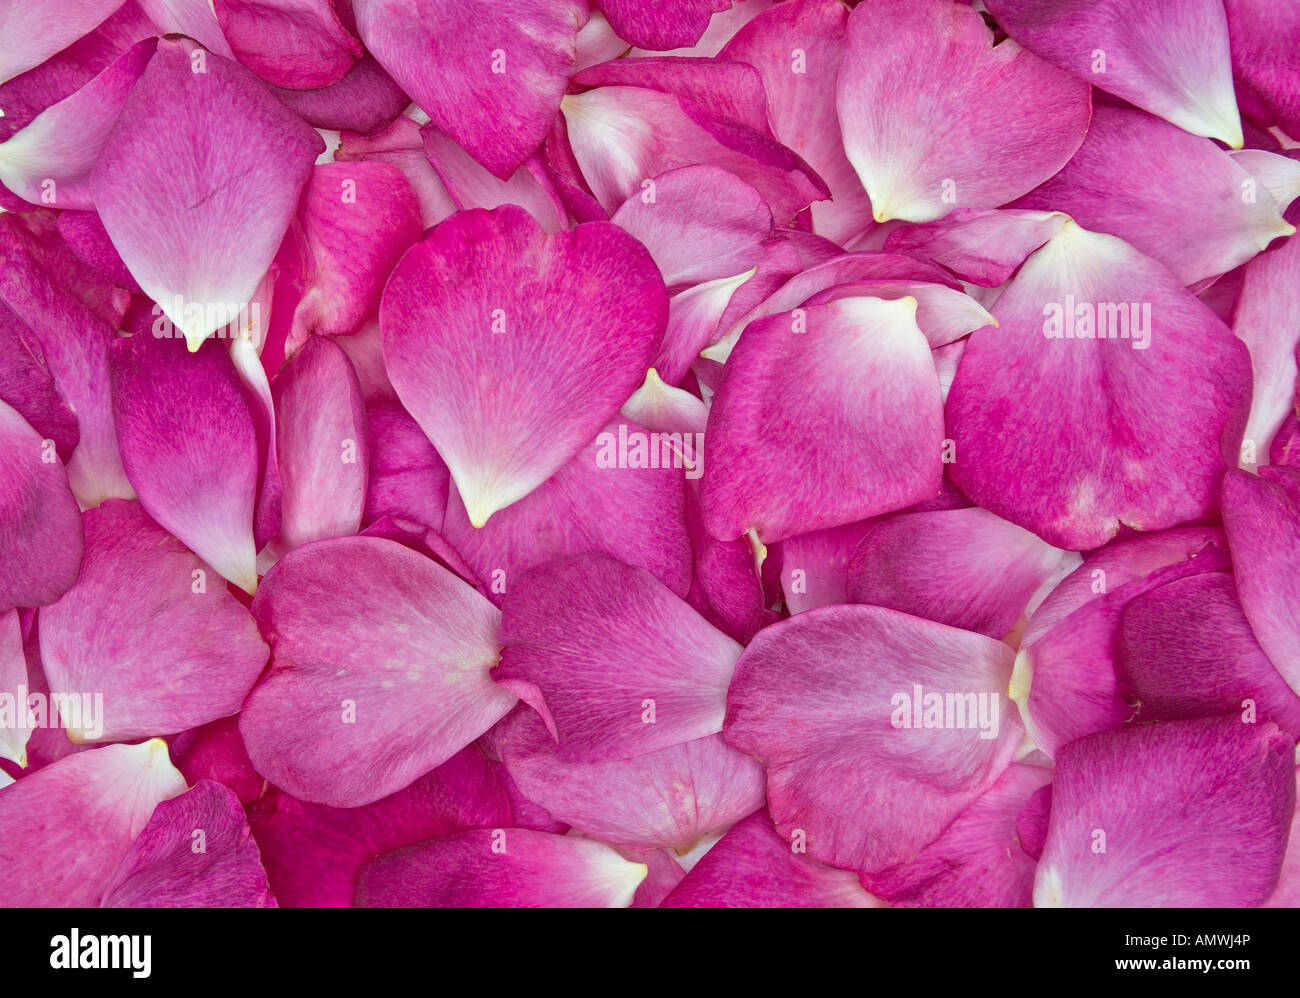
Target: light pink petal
(313, 853)
(501, 868)
(604, 500)
(65, 828)
(794, 445)
(49, 161)
(512, 348)
(1156, 415)
(1262, 519)
(195, 18)
(1186, 650)
(358, 219)
(1064, 680)
(96, 641)
(40, 523)
(614, 662)
(373, 684)
(407, 477)
(195, 852)
(321, 446)
(189, 447)
(796, 48)
(980, 245)
(962, 567)
(669, 24)
(936, 117)
(490, 77)
(670, 798)
(831, 701)
(815, 566)
(978, 861)
(942, 314)
(14, 732)
(693, 319)
(300, 44)
(1175, 197)
(472, 186)
(1188, 813)
(33, 33)
(700, 223)
(622, 135)
(1167, 56)
(199, 225)
(752, 866)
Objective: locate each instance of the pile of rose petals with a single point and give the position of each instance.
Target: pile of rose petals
(623, 453)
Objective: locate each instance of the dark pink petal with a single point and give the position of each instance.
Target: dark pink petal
(1175, 197)
(216, 752)
(983, 246)
(936, 117)
(373, 684)
(663, 873)
(289, 43)
(358, 219)
(33, 33)
(199, 225)
(407, 477)
(490, 77)
(1262, 518)
(793, 444)
(28, 386)
(400, 145)
(1175, 815)
(313, 853)
(978, 861)
(1287, 892)
(65, 828)
(88, 239)
(1167, 56)
(752, 866)
(96, 640)
(321, 446)
(614, 662)
(700, 223)
(365, 100)
(1186, 650)
(512, 348)
(796, 48)
(40, 523)
(962, 567)
(1156, 415)
(195, 852)
(1264, 39)
(189, 447)
(49, 161)
(668, 24)
(501, 868)
(669, 798)
(832, 702)
(472, 186)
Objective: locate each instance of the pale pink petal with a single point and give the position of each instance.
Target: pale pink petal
(983, 246)
(472, 186)
(32, 33)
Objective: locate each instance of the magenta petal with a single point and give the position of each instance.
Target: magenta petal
(1186, 650)
(28, 386)
(815, 566)
(40, 523)
(983, 246)
(667, 24)
(839, 703)
(1167, 56)
(189, 447)
(365, 100)
(400, 145)
(491, 76)
(670, 798)
(384, 680)
(313, 853)
(33, 33)
(1264, 36)
(752, 866)
(1175, 197)
(65, 828)
(321, 446)
(936, 117)
(978, 861)
(1157, 389)
(407, 478)
(289, 43)
(794, 445)
(501, 868)
(14, 732)
(1180, 814)
(614, 662)
(1287, 892)
(358, 219)
(1262, 519)
(199, 225)
(512, 348)
(153, 681)
(196, 852)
